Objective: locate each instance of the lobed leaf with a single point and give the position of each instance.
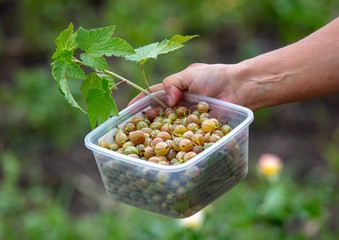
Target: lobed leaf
(64, 90)
(63, 66)
(66, 39)
(100, 105)
(93, 39)
(144, 53)
(99, 42)
(168, 46)
(94, 80)
(182, 39)
(118, 48)
(95, 61)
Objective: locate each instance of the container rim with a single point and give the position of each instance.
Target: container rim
(109, 153)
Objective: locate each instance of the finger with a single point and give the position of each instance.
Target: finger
(174, 86)
(197, 65)
(154, 88)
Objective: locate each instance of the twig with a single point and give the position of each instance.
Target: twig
(124, 80)
(135, 86)
(115, 85)
(144, 77)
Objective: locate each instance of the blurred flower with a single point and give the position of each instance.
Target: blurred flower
(311, 227)
(269, 165)
(193, 222)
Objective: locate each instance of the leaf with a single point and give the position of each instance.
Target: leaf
(107, 77)
(119, 47)
(100, 105)
(95, 61)
(168, 46)
(93, 39)
(99, 42)
(182, 39)
(144, 53)
(94, 80)
(176, 42)
(64, 90)
(65, 41)
(64, 67)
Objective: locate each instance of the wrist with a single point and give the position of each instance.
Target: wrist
(249, 89)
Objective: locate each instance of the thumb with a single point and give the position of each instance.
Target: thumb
(174, 86)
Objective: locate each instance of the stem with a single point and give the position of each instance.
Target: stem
(115, 85)
(135, 86)
(124, 80)
(144, 76)
(77, 61)
(127, 81)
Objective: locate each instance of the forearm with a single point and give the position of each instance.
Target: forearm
(306, 69)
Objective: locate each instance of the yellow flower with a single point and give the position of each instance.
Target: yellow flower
(269, 165)
(194, 222)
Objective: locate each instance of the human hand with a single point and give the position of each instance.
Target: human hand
(213, 80)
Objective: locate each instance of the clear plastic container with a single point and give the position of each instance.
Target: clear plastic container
(177, 191)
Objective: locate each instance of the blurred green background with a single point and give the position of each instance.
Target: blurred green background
(50, 187)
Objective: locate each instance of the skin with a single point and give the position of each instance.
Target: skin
(306, 69)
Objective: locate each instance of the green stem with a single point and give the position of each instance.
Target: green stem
(127, 81)
(135, 86)
(115, 85)
(124, 80)
(78, 61)
(144, 77)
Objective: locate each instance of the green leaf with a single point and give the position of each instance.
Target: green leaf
(107, 77)
(175, 43)
(119, 47)
(93, 39)
(64, 90)
(168, 46)
(65, 41)
(94, 80)
(182, 39)
(95, 61)
(152, 50)
(99, 42)
(64, 67)
(144, 53)
(100, 105)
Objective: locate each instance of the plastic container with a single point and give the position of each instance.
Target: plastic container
(177, 191)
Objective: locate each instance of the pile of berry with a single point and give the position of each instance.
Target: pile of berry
(169, 137)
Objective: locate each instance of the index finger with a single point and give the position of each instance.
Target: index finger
(154, 88)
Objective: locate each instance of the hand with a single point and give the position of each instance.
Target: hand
(216, 80)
